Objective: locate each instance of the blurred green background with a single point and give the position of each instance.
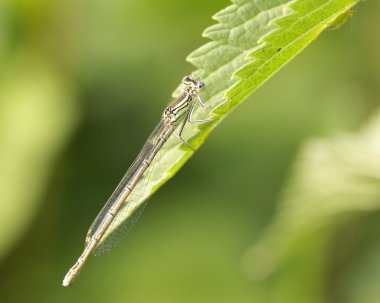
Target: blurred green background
(82, 84)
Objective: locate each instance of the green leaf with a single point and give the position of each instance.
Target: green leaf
(252, 40)
(335, 180)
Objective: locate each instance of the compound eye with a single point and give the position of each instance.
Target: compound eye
(200, 84)
(187, 80)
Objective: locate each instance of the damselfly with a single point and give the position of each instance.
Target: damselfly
(183, 104)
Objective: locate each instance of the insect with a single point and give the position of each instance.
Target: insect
(120, 199)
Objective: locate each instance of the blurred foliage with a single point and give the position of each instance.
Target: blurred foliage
(37, 113)
(83, 83)
(335, 181)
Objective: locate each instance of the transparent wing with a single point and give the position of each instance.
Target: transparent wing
(130, 207)
(131, 210)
